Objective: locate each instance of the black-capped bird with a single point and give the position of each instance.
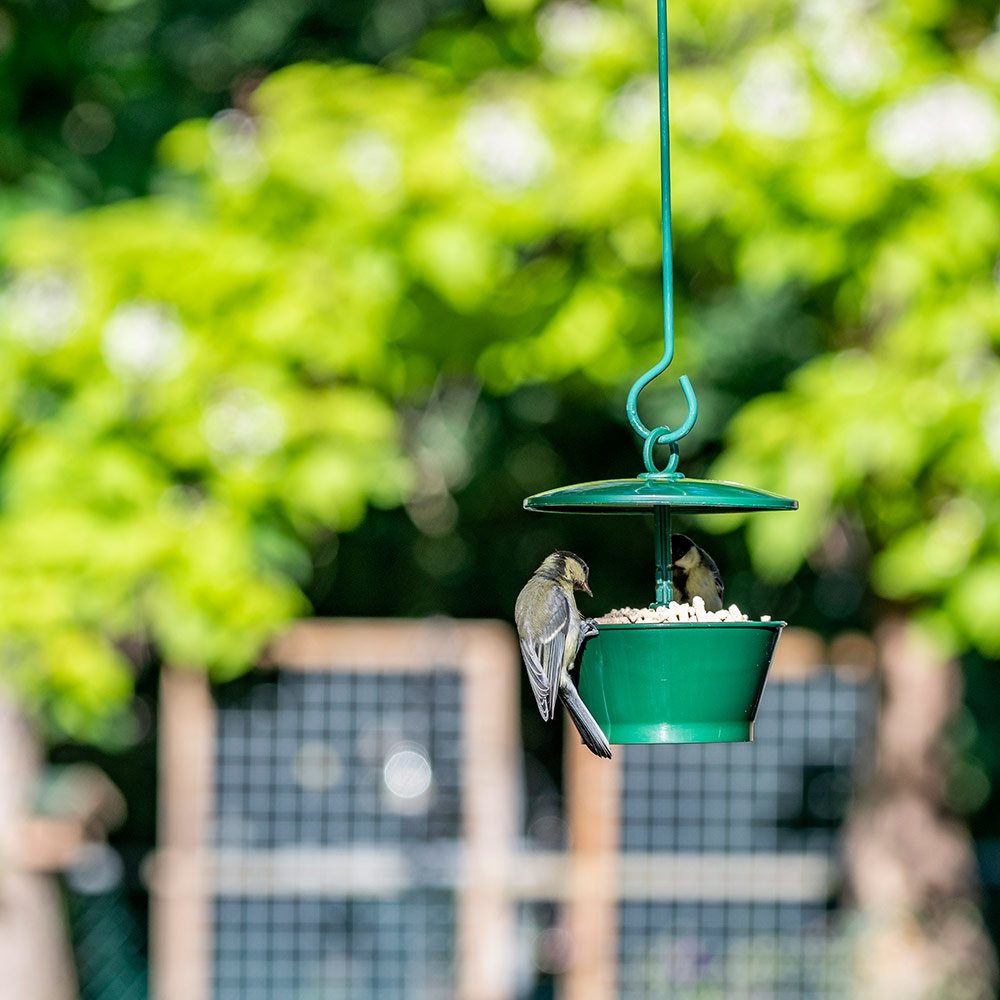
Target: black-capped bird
(552, 634)
(693, 573)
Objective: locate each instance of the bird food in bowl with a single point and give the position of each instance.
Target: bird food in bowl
(677, 673)
(674, 612)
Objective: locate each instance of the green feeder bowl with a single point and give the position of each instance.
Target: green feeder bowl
(686, 682)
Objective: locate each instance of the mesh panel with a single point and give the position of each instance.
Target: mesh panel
(730, 951)
(786, 791)
(108, 945)
(342, 762)
(336, 759)
(782, 797)
(295, 949)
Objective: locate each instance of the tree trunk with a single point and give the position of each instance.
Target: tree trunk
(911, 866)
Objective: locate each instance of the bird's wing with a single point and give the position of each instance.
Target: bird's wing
(543, 654)
(715, 572)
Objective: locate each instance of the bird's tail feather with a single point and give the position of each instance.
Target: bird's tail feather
(586, 724)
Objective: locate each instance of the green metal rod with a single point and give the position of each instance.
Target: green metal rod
(665, 203)
(665, 436)
(661, 527)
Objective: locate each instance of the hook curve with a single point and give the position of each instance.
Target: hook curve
(664, 435)
(633, 414)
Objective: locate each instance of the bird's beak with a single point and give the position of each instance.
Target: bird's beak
(586, 590)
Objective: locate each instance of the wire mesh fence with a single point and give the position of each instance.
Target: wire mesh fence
(746, 836)
(335, 949)
(343, 761)
(108, 945)
(334, 759)
(340, 820)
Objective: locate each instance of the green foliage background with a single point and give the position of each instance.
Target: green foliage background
(366, 309)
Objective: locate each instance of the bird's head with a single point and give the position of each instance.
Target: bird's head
(683, 552)
(569, 568)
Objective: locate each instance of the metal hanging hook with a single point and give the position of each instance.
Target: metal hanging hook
(663, 434)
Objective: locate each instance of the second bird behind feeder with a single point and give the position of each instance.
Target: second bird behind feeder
(693, 573)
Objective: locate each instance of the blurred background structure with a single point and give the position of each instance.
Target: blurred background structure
(353, 823)
(299, 303)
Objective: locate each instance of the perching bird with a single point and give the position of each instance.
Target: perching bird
(552, 634)
(694, 574)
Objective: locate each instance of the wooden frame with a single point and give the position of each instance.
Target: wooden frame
(593, 799)
(181, 914)
(187, 872)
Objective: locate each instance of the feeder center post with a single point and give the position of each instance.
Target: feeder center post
(661, 526)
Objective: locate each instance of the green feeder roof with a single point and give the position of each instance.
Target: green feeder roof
(646, 493)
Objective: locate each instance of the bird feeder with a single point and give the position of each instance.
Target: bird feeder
(675, 682)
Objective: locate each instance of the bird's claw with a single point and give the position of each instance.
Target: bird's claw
(588, 629)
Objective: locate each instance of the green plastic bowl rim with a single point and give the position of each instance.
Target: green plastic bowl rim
(756, 624)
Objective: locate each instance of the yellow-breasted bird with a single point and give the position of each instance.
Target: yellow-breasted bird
(552, 634)
(693, 573)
